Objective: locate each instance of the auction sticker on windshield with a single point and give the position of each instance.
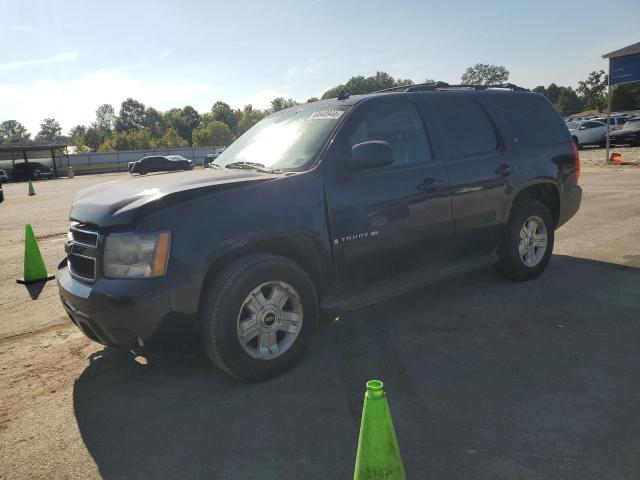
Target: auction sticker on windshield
(326, 115)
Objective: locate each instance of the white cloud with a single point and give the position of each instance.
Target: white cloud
(18, 28)
(262, 98)
(310, 67)
(74, 102)
(60, 57)
(165, 53)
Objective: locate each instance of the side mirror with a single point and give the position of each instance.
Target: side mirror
(370, 154)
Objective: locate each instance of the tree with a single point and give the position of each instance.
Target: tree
(140, 139)
(154, 122)
(50, 131)
(249, 118)
(12, 131)
(132, 116)
(105, 118)
(183, 120)
(485, 74)
(224, 113)
(94, 137)
(625, 97)
(592, 90)
(281, 103)
(80, 146)
(360, 84)
(568, 101)
(215, 133)
(77, 132)
(171, 139)
(312, 99)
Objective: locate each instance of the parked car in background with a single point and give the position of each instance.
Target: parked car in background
(209, 158)
(31, 171)
(330, 204)
(3, 176)
(160, 163)
(589, 132)
(616, 122)
(627, 135)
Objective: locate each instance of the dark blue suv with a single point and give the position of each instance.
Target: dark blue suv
(325, 206)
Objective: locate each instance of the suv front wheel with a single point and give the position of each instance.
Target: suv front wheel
(528, 242)
(257, 316)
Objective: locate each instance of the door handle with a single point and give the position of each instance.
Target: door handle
(504, 170)
(430, 184)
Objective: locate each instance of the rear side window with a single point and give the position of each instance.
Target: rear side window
(533, 120)
(468, 130)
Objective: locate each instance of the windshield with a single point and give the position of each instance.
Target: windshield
(284, 141)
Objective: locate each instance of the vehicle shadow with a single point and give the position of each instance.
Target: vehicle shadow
(485, 378)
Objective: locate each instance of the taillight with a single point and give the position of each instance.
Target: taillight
(576, 161)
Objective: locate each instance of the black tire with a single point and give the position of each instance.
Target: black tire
(141, 171)
(510, 263)
(222, 300)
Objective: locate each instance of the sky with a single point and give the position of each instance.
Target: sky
(64, 58)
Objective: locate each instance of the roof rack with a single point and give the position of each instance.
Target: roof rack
(430, 87)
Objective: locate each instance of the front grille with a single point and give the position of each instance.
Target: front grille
(82, 249)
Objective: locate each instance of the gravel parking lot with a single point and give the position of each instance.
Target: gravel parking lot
(486, 379)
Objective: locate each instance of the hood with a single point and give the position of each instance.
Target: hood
(117, 202)
(622, 132)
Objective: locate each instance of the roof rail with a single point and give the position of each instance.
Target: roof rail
(430, 87)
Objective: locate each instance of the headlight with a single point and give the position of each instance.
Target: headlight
(137, 255)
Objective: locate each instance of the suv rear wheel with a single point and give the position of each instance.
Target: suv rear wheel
(258, 316)
(528, 242)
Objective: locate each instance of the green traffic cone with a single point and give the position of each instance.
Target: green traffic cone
(378, 454)
(32, 192)
(34, 268)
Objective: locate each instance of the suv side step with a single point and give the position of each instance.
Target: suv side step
(395, 286)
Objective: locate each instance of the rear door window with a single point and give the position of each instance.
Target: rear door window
(533, 119)
(467, 128)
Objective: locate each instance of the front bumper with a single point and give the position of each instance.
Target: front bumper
(128, 313)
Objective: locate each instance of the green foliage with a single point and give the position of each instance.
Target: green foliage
(625, 97)
(183, 120)
(12, 131)
(77, 132)
(213, 134)
(312, 99)
(281, 103)
(249, 118)
(222, 112)
(132, 140)
(94, 137)
(360, 84)
(171, 139)
(568, 101)
(132, 116)
(484, 74)
(565, 99)
(153, 122)
(50, 131)
(105, 118)
(80, 146)
(593, 90)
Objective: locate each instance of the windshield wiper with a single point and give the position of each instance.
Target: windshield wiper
(258, 167)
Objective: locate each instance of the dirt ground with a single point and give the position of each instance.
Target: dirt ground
(486, 378)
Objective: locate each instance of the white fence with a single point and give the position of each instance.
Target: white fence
(103, 162)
